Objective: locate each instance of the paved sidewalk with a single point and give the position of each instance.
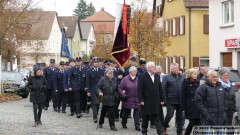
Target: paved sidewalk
(16, 118)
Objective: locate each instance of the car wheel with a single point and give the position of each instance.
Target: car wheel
(25, 95)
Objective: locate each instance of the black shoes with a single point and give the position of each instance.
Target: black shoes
(79, 115)
(152, 126)
(63, 111)
(71, 114)
(100, 126)
(124, 126)
(137, 128)
(40, 122)
(95, 120)
(45, 108)
(113, 128)
(55, 109)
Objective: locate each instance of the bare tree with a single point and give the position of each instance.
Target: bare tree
(14, 25)
(103, 46)
(145, 38)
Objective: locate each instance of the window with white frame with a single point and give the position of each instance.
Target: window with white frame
(227, 12)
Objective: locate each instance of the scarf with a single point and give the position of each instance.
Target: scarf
(224, 84)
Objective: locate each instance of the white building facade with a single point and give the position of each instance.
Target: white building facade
(44, 46)
(224, 33)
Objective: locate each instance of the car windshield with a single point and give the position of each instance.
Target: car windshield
(11, 76)
(23, 70)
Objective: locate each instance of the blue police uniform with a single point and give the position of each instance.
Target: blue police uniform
(141, 71)
(59, 86)
(116, 73)
(83, 94)
(70, 94)
(49, 74)
(75, 79)
(93, 76)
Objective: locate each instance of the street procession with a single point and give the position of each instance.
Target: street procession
(119, 67)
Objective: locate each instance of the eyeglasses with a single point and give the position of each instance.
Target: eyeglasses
(215, 76)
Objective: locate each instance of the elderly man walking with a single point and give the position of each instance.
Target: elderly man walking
(172, 87)
(150, 95)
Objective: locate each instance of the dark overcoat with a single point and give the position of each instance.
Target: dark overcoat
(188, 105)
(150, 93)
(37, 86)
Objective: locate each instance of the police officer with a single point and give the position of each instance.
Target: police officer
(49, 74)
(71, 101)
(83, 93)
(93, 76)
(59, 88)
(101, 64)
(133, 62)
(107, 63)
(74, 77)
(118, 74)
(142, 66)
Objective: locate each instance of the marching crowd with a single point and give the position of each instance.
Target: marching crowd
(204, 98)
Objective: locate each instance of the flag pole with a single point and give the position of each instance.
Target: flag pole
(124, 1)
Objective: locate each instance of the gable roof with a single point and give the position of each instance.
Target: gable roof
(100, 16)
(42, 26)
(85, 28)
(189, 4)
(102, 21)
(70, 22)
(196, 3)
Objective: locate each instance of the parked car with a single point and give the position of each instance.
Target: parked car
(13, 82)
(24, 71)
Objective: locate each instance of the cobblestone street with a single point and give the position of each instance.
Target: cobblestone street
(16, 118)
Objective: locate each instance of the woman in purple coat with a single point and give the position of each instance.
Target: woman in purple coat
(128, 91)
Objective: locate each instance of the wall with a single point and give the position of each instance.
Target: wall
(218, 35)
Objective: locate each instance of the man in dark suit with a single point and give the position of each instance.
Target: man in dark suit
(49, 74)
(59, 89)
(94, 74)
(150, 95)
(76, 82)
(71, 100)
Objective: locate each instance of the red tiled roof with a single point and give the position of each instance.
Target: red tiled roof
(102, 21)
(100, 16)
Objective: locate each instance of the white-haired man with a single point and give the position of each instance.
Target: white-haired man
(150, 95)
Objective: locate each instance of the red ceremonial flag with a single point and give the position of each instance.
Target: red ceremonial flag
(121, 48)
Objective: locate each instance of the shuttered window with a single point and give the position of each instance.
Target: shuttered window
(205, 24)
(174, 27)
(182, 25)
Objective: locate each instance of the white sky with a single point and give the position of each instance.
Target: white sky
(66, 7)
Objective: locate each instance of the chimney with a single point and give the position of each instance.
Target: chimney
(102, 8)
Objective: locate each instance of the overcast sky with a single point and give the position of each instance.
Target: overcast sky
(66, 7)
